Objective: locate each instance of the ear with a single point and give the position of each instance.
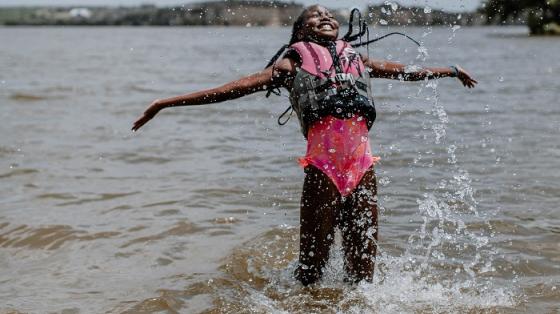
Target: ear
(300, 35)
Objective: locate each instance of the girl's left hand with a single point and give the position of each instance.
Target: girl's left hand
(154, 108)
(465, 77)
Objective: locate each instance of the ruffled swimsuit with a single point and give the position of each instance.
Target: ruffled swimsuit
(340, 148)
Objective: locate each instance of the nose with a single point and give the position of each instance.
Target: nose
(324, 16)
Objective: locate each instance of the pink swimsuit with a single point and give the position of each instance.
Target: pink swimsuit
(340, 148)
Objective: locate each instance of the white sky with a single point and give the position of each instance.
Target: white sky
(450, 5)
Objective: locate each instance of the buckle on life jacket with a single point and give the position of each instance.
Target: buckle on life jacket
(342, 78)
(332, 92)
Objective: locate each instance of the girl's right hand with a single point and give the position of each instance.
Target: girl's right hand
(465, 77)
(154, 108)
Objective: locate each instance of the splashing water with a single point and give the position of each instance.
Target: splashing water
(422, 53)
(438, 111)
(446, 265)
(258, 276)
(454, 30)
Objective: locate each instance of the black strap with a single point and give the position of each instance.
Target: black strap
(335, 58)
(362, 25)
(271, 90)
(384, 36)
(288, 119)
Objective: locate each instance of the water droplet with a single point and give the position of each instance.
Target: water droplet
(500, 79)
(427, 10)
(382, 22)
(423, 50)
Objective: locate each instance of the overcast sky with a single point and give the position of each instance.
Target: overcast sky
(451, 5)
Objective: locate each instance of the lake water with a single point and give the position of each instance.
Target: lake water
(198, 211)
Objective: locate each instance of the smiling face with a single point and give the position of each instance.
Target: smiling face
(319, 24)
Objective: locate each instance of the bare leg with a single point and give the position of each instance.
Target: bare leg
(359, 229)
(320, 201)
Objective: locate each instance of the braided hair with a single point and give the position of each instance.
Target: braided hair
(296, 28)
(295, 37)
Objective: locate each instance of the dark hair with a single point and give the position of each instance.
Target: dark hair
(296, 29)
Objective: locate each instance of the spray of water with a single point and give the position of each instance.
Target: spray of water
(446, 265)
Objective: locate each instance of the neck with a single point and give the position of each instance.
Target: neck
(321, 41)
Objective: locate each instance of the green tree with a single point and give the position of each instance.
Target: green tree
(542, 16)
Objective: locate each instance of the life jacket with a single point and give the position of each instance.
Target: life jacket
(332, 80)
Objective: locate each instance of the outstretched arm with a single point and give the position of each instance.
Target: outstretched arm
(275, 76)
(399, 71)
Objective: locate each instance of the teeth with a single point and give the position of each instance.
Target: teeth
(325, 27)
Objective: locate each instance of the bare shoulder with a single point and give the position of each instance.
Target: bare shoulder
(283, 72)
(286, 66)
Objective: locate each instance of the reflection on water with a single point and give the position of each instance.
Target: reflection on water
(198, 212)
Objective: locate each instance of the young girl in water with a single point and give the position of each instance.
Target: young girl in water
(329, 90)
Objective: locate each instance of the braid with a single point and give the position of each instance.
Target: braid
(296, 28)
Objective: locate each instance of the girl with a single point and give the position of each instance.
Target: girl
(329, 90)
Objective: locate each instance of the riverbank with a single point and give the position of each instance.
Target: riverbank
(236, 13)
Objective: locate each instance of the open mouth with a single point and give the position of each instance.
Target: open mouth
(326, 27)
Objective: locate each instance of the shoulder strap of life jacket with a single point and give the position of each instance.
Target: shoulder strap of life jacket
(331, 47)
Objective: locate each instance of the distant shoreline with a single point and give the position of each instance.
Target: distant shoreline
(238, 26)
(227, 13)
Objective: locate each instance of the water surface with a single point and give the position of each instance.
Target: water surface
(198, 212)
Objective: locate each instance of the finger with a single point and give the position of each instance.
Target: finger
(138, 124)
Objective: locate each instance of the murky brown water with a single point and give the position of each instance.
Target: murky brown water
(198, 212)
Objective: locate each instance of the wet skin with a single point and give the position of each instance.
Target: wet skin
(322, 207)
(323, 210)
(320, 25)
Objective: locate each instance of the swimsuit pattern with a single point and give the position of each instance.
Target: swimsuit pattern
(340, 148)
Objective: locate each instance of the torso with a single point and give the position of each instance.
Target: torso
(330, 79)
